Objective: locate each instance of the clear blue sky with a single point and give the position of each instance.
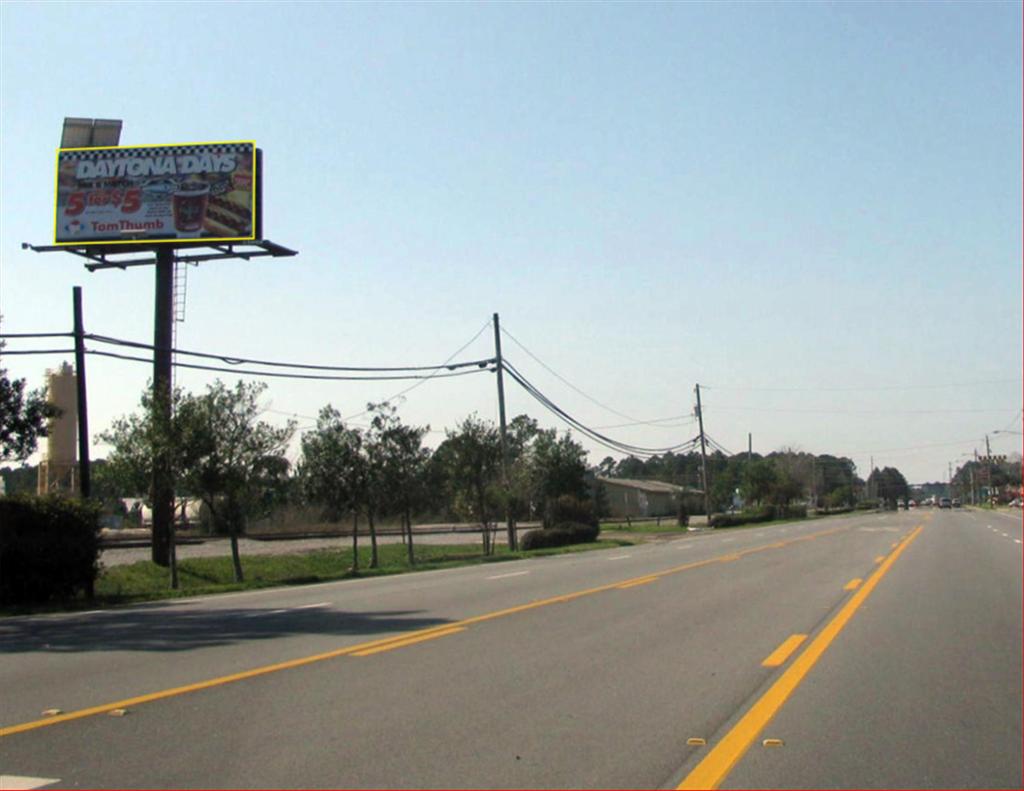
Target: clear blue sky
(812, 209)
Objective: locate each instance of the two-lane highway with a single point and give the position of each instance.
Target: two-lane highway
(867, 650)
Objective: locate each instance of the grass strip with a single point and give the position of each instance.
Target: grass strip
(145, 581)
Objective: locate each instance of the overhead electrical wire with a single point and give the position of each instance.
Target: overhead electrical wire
(859, 389)
(567, 383)
(591, 433)
(6, 352)
(232, 360)
(454, 354)
(274, 374)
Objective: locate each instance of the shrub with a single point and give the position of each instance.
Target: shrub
(48, 548)
(763, 514)
(791, 512)
(567, 509)
(682, 513)
(867, 505)
(560, 535)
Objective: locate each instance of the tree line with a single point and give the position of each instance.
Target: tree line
(222, 452)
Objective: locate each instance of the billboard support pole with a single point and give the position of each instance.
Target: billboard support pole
(84, 477)
(163, 475)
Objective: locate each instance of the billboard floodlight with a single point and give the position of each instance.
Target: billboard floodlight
(86, 132)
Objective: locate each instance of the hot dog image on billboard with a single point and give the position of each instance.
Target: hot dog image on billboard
(201, 191)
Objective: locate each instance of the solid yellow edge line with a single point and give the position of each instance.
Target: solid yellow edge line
(10, 730)
(784, 651)
(721, 759)
(409, 641)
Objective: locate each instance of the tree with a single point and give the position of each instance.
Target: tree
(397, 454)
(333, 471)
(226, 451)
(471, 458)
(137, 440)
(889, 485)
(23, 417)
(759, 479)
(557, 466)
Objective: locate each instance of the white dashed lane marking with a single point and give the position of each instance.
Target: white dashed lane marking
(505, 576)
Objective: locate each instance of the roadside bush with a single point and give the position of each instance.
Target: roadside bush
(568, 509)
(48, 548)
(867, 505)
(560, 535)
(763, 514)
(791, 512)
(682, 513)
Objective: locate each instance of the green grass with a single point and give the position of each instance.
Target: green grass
(146, 581)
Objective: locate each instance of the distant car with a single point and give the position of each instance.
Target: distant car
(1015, 503)
(912, 504)
(945, 502)
(956, 502)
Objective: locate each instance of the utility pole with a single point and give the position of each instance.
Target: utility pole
(84, 475)
(509, 523)
(703, 459)
(988, 468)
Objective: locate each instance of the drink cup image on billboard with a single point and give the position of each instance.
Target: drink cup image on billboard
(189, 205)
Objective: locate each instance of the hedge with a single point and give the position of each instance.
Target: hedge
(49, 548)
(560, 535)
(765, 513)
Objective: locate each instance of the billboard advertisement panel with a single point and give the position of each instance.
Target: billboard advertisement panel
(129, 194)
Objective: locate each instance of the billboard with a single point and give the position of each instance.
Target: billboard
(129, 194)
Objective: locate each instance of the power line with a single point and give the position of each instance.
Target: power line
(819, 411)
(563, 380)
(274, 374)
(594, 435)
(452, 356)
(232, 360)
(6, 352)
(858, 389)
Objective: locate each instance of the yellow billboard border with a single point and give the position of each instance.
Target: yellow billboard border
(193, 240)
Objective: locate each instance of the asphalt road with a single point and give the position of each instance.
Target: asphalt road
(896, 642)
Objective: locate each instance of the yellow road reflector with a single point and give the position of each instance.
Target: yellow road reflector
(853, 584)
(51, 712)
(728, 558)
(410, 641)
(784, 651)
(772, 743)
(696, 741)
(118, 712)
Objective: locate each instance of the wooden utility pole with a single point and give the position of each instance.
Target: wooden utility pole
(703, 460)
(84, 474)
(509, 522)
